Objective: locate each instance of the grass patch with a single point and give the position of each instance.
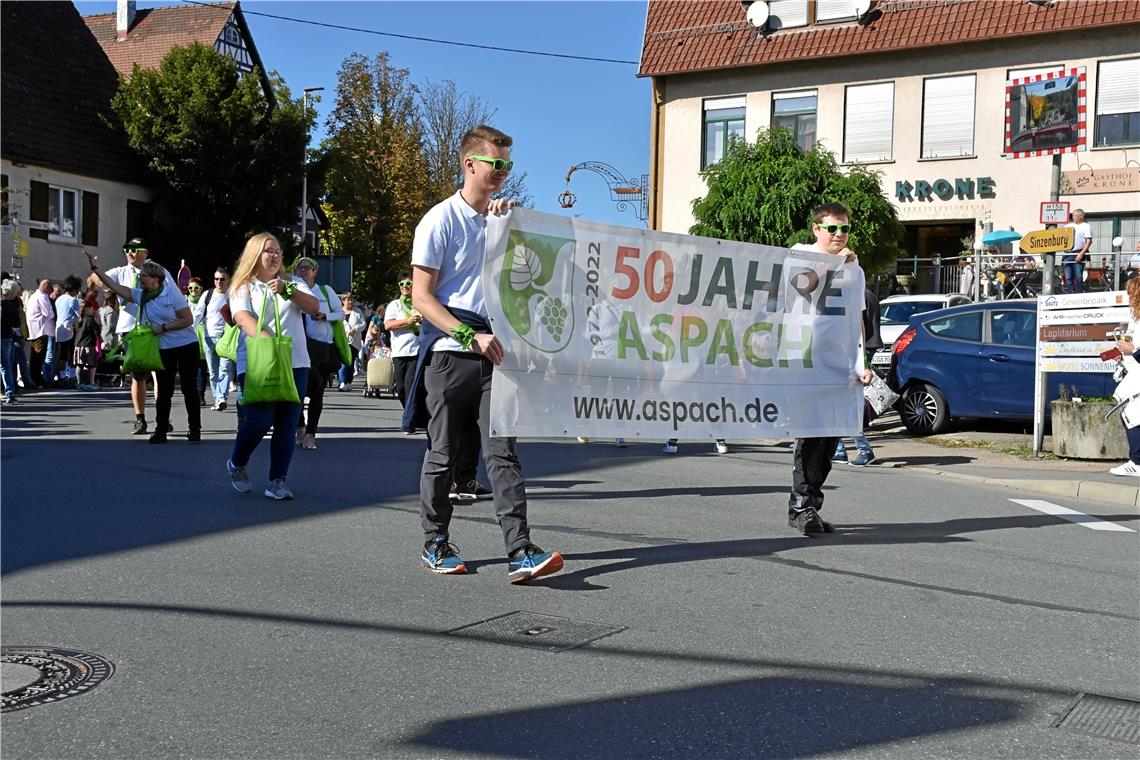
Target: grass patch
(1020, 450)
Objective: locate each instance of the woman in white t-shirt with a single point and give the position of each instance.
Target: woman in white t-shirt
(260, 279)
(166, 310)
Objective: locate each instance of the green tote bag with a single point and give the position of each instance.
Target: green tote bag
(142, 347)
(269, 364)
(340, 337)
(227, 345)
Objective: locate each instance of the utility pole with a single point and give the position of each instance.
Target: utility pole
(305, 172)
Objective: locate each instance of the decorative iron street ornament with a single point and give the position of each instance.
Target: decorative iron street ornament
(628, 194)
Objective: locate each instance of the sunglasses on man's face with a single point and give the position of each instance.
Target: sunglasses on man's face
(842, 229)
(405, 283)
(497, 164)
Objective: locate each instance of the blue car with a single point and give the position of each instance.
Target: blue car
(975, 361)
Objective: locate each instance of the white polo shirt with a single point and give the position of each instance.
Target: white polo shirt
(128, 276)
(1081, 233)
(452, 239)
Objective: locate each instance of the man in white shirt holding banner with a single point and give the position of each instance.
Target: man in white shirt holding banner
(709, 338)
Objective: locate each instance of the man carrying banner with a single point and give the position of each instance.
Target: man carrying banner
(831, 224)
(457, 355)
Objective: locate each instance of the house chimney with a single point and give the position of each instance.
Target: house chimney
(124, 17)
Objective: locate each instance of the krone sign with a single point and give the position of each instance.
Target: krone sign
(1048, 241)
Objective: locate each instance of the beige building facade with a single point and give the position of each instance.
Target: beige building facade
(931, 121)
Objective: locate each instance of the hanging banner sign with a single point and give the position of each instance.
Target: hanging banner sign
(611, 331)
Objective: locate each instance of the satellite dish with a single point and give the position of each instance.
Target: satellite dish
(758, 14)
(859, 7)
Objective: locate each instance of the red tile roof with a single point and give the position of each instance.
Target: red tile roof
(56, 88)
(156, 30)
(700, 35)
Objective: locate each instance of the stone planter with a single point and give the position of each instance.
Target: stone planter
(1080, 431)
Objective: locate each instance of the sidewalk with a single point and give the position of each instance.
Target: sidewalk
(981, 456)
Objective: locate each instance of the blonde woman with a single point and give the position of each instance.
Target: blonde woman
(260, 279)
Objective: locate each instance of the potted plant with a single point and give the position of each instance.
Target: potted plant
(1087, 427)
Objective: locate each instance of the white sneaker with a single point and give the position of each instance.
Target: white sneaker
(220, 406)
(342, 387)
(619, 442)
(669, 448)
(583, 439)
(721, 447)
(1127, 469)
(278, 490)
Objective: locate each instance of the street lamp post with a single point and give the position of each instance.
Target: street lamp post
(628, 194)
(305, 171)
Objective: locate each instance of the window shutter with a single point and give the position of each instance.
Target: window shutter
(833, 10)
(1118, 86)
(89, 230)
(948, 117)
(869, 124)
(38, 208)
(785, 13)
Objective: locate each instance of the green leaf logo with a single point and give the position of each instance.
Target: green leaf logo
(536, 289)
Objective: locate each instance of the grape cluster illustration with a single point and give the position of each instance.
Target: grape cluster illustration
(552, 314)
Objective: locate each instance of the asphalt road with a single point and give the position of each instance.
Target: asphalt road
(942, 620)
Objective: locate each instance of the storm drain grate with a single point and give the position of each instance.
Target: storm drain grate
(529, 629)
(42, 675)
(1106, 717)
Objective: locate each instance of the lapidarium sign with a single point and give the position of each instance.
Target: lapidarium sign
(611, 331)
(961, 188)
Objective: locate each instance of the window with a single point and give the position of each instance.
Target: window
(868, 122)
(63, 213)
(1041, 71)
(833, 10)
(1016, 327)
(1118, 102)
(69, 216)
(783, 14)
(966, 326)
(796, 111)
(724, 122)
(948, 117)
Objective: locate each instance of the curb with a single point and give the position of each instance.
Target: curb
(1106, 493)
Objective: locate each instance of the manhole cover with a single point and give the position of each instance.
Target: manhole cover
(36, 676)
(534, 631)
(1106, 717)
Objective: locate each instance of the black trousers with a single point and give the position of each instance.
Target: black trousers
(319, 357)
(403, 370)
(182, 360)
(459, 388)
(811, 464)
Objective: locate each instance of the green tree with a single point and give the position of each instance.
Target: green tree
(225, 157)
(763, 192)
(377, 186)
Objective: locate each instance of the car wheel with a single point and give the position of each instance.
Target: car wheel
(923, 410)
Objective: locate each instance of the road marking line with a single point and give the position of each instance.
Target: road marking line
(1071, 515)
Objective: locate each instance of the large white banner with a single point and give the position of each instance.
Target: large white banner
(612, 331)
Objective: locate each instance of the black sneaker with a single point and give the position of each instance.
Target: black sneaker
(808, 522)
(194, 436)
(474, 491)
(157, 437)
(170, 427)
(140, 427)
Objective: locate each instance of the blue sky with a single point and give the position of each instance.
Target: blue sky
(560, 112)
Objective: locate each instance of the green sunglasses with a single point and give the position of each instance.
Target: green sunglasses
(497, 164)
(833, 228)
